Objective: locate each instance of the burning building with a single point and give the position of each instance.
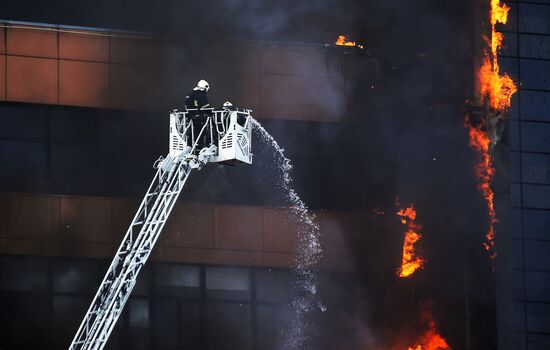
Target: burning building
(367, 116)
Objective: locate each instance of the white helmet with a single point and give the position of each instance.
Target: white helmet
(227, 104)
(203, 85)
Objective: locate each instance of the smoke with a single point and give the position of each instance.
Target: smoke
(398, 133)
(252, 19)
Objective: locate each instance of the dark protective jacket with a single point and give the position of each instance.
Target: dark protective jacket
(197, 99)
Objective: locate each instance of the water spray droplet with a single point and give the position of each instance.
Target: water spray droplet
(308, 254)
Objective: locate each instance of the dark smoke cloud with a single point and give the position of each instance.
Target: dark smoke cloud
(404, 140)
(308, 21)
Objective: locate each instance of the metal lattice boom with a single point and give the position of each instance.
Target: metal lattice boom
(170, 177)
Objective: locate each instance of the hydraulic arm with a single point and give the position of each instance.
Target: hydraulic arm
(228, 135)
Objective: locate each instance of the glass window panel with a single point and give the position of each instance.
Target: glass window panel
(103, 13)
(123, 153)
(64, 11)
(189, 327)
(69, 309)
(513, 135)
(535, 105)
(511, 25)
(68, 312)
(509, 45)
(23, 314)
(75, 277)
(178, 280)
(538, 318)
(75, 168)
(23, 165)
(140, 15)
(139, 313)
(535, 74)
(534, 46)
(514, 109)
(166, 324)
(143, 284)
(66, 128)
(228, 326)
(272, 320)
(24, 123)
(515, 169)
(539, 341)
(510, 67)
(536, 224)
(536, 196)
(536, 255)
(535, 137)
(538, 286)
(137, 339)
(534, 18)
(272, 285)
(120, 336)
(535, 168)
(227, 283)
(334, 288)
(23, 274)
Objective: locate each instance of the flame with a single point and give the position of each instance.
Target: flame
(431, 340)
(485, 172)
(410, 261)
(497, 89)
(499, 14)
(344, 41)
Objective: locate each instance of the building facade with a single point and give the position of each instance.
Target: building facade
(84, 116)
(84, 113)
(524, 281)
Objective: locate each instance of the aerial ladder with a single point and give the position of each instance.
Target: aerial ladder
(197, 138)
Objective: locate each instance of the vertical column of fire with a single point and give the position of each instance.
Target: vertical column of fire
(411, 261)
(496, 91)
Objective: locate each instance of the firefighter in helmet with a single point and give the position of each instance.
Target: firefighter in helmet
(228, 106)
(197, 100)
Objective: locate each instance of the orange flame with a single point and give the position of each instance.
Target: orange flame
(431, 340)
(484, 172)
(498, 89)
(344, 41)
(410, 261)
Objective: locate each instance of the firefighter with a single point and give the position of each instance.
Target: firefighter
(198, 100)
(229, 106)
